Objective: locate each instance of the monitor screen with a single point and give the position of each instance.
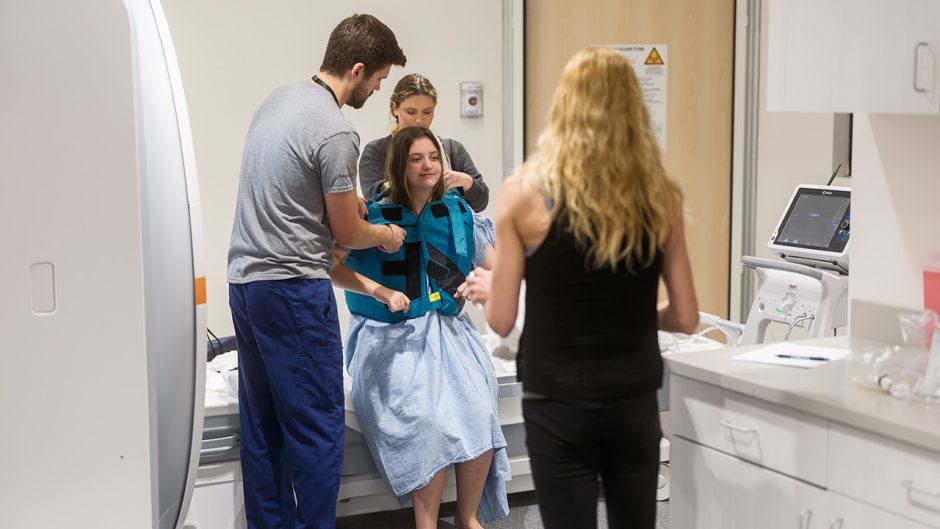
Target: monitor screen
(816, 219)
(813, 220)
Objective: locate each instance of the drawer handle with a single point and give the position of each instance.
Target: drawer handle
(806, 518)
(731, 426)
(837, 524)
(909, 485)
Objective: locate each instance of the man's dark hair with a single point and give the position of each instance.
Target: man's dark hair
(361, 38)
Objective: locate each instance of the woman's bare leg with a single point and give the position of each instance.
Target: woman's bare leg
(427, 501)
(471, 476)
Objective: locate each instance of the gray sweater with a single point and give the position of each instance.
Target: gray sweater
(372, 170)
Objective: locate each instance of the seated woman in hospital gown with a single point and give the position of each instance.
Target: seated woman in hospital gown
(423, 382)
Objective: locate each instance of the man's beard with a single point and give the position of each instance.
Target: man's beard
(359, 95)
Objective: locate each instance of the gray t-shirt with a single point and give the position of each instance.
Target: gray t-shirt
(299, 146)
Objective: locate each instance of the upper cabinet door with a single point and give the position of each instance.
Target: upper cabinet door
(872, 56)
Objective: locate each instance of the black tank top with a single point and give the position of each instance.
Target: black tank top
(589, 334)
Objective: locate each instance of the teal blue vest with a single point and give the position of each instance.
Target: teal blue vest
(433, 261)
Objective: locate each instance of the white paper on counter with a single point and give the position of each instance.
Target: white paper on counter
(793, 355)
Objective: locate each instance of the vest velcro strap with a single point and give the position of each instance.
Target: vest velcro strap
(439, 209)
(460, 235)
(437, 271)
(424, 304)
(456, 222)
(394, 268)
(391, 213)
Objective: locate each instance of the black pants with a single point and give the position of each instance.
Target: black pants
(572, 443)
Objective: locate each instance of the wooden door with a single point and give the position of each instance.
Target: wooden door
(700, 39)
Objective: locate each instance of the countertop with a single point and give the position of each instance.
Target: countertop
(824, 391)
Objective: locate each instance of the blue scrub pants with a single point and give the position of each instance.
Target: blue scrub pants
(290, 394)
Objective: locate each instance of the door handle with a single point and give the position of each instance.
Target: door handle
(916, 56)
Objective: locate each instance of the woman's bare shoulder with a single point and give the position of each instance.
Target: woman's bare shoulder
(521, 186)
(524, 202)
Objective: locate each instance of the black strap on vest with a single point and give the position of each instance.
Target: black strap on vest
(410, 268)
(445, 273)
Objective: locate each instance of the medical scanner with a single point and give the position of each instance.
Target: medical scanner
(102, 316)
(809, 288)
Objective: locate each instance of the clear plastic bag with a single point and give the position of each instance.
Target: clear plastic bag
(891, 369)
(908, 370)
(927, 387)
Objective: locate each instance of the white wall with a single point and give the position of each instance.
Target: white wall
(895, 207)
(793, 148)
(232, 54)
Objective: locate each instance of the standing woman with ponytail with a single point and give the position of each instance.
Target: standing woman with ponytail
(412, 104)
(592, 222)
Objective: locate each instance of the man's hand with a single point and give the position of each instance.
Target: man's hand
(363, 210)
(396, 238)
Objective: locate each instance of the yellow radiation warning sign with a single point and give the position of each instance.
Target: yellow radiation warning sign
(649, 63)
(654, 58)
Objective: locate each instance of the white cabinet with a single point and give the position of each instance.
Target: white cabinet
(741, 462)
(871, 56)
(718, 491)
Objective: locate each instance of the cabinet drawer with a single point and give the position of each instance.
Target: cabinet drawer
(893, 476)
(712, 490)
(769, 435)
(846, 513)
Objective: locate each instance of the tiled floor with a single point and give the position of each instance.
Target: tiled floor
(523, 514)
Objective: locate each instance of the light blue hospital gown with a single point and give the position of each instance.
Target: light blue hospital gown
(425, 395)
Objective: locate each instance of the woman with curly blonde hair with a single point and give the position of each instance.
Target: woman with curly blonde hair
(592, 222)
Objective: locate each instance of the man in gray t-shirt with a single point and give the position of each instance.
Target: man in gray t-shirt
(281, 227)
(296, 199)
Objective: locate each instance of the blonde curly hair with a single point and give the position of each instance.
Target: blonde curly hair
(600, 163)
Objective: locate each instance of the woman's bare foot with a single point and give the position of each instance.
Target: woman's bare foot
(468, 524)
